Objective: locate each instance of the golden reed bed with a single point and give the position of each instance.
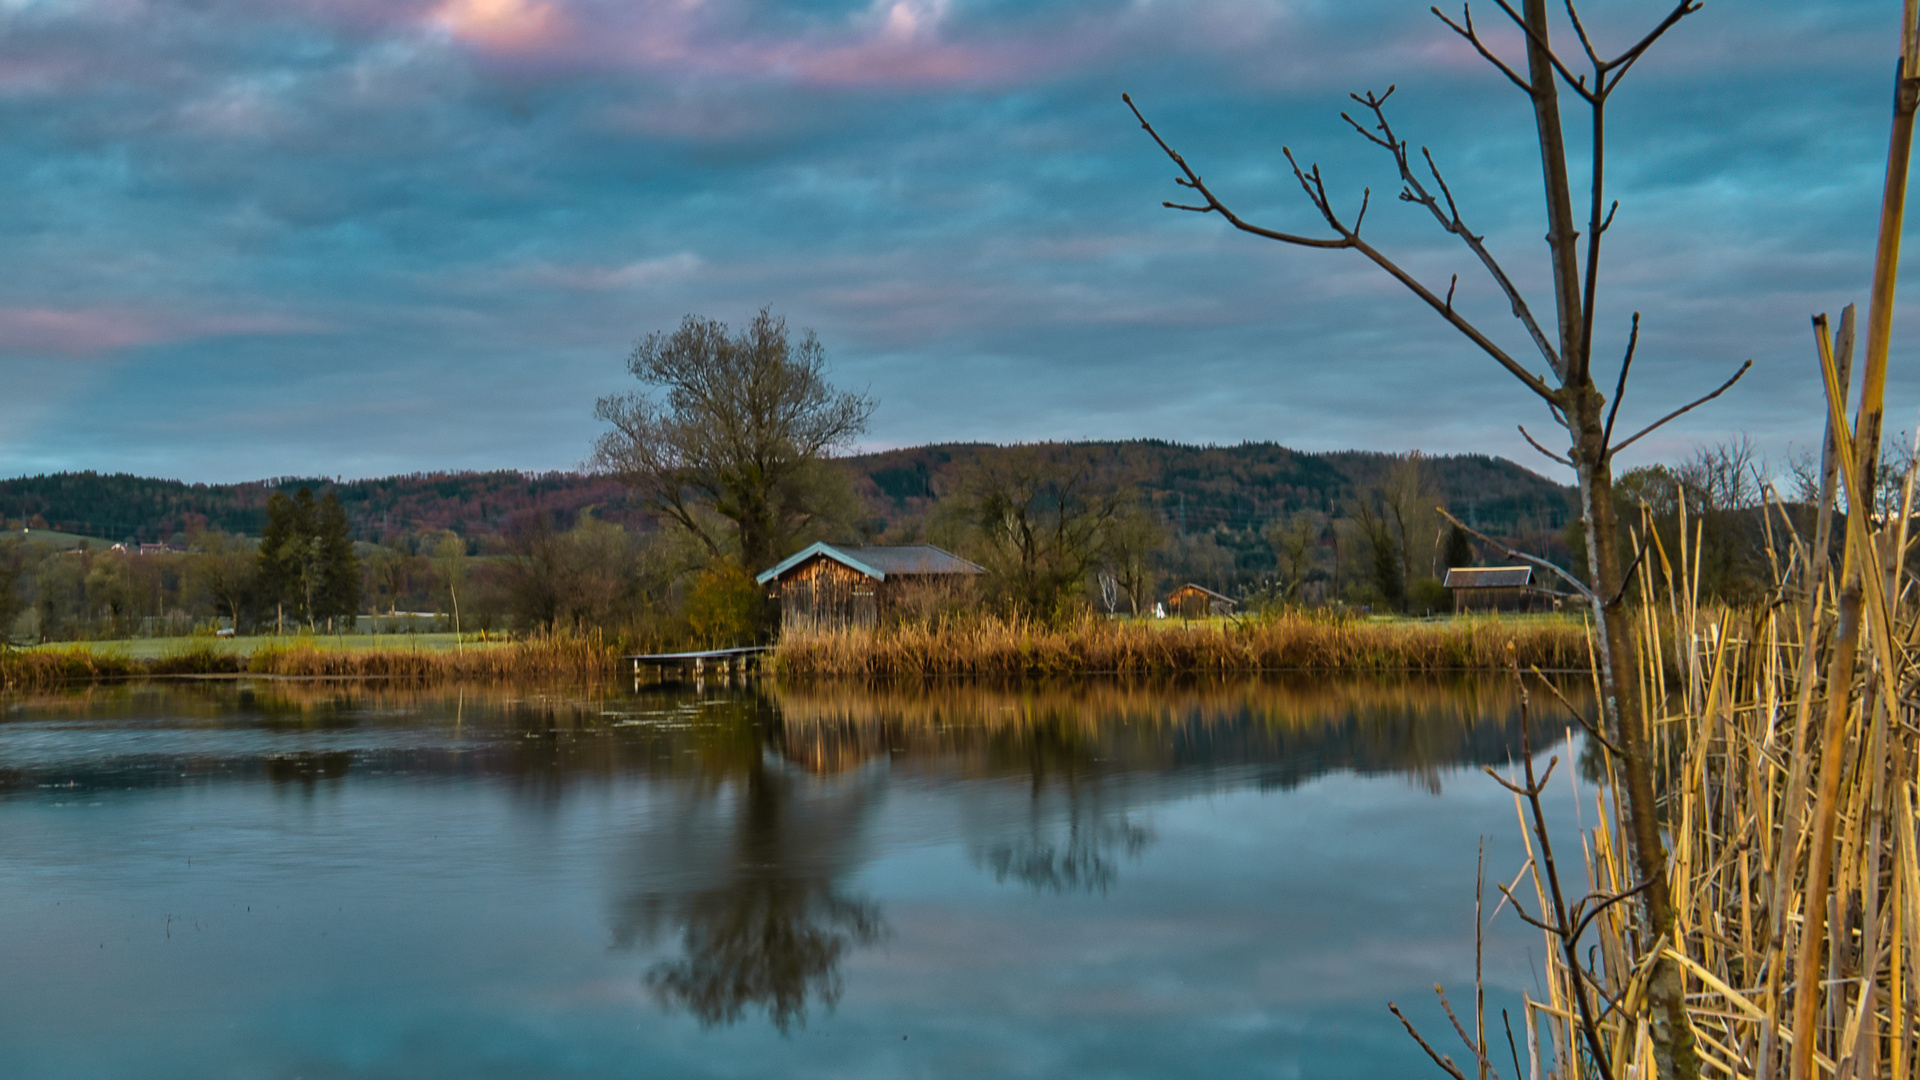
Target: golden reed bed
(587, 656)
(993, 648)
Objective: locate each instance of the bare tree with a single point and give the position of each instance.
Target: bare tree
(743, 429)
(1039, 519)
(1296, 547)
(1573, 398)
(220, 569)
(1135, 538)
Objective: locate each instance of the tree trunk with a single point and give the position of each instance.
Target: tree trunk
(1626, 719)
(1585, 410)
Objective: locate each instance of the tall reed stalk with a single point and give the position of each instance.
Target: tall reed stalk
(1784, 742)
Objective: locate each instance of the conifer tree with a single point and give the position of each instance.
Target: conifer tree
(337, 570)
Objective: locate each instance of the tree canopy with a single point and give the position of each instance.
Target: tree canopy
(730, 440)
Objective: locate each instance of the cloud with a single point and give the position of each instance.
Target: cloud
(508, 26)
(89, 333)
(234, 198)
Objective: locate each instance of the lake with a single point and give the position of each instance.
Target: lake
(281, 879)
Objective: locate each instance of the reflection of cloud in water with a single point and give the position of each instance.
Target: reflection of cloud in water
(746, 876)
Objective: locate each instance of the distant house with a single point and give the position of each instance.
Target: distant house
(1192, 601)
(834, 586)
(1496, 588)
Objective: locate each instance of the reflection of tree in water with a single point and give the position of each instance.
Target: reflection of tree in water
(1074, 856)
(762, 923)
(1071, 832)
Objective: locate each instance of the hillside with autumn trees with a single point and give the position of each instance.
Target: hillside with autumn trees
(1193, 489)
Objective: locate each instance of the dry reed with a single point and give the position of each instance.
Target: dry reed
(994, 648)
(1790, 801)
(559, 657)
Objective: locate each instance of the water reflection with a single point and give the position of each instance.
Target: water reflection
(737, 891)
(748, 878)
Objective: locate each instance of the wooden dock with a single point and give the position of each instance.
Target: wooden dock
(700, 663)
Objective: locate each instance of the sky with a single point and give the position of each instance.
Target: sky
(249, 238)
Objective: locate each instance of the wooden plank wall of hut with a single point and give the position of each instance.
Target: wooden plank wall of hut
(1515, 598)
(824, 595)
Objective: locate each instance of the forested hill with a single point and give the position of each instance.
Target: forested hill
(120, 506)
(1196, 489)
(1244, 487)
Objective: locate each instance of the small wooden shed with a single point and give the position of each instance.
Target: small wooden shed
(1192, 601)
(835, 586)
(1495, 588)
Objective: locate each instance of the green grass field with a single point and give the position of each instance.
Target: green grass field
(154, 648)
(61, 541)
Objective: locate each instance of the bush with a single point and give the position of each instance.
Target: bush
(1429, 597)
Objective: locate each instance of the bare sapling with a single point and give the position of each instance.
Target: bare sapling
(1573, 398)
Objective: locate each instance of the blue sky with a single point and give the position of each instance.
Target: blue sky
(262, 237)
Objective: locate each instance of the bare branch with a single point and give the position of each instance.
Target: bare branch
(1626, 59)
(1214, 205)
(1534, 560)
(1542, 449)
(1620, 388)
(1444, 1062)
(1626, 579)
(1592, 729)
(1608, 222)
(1689, 407)
(1449, 218)
(1461, 1029)
(1452, 285)
(1576, 83)
(1473, 39)
(1314, 186)
(1610, 900)
(1585, 42)
(1520, 911)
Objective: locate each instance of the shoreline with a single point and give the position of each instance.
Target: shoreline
(983, 649)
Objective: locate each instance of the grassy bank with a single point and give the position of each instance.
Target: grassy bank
(995, 648)
(156, 648)
(563, 657)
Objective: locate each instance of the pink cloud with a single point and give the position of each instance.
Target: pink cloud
(895, 43)
(504, 26)
(92, 332)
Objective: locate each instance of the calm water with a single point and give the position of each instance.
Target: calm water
(282, 880)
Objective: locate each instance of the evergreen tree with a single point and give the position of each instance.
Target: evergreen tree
(337, 570)
(1459, 548)
(1388, 571)
(288, 566)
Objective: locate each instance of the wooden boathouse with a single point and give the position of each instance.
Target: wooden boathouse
(1496, 588)
(835, 586)
(1192, 601)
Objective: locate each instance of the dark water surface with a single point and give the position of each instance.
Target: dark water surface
(281, 880)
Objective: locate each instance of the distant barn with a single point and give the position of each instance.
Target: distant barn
(835, 586)
(1192, 601)
(1496, 588)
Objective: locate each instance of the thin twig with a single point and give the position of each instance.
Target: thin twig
(1592, 728)
(1687, 408)
(1473, 39)
(1620, 388)
(1531, 442)
(1438, 1058)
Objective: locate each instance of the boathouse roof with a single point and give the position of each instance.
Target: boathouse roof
(1489, 577)
(1204, 591)
(880, 561)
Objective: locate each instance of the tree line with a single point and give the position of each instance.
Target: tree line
(731, 455)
